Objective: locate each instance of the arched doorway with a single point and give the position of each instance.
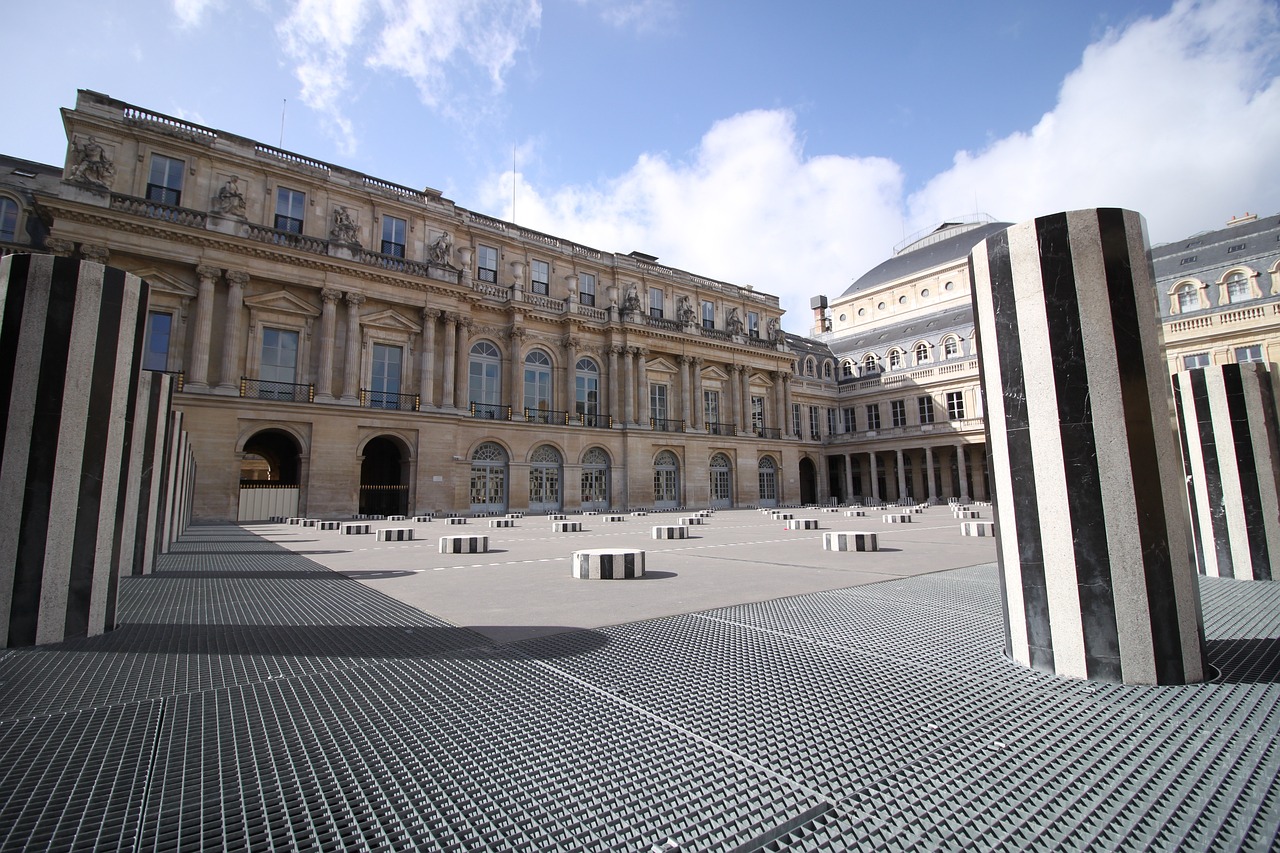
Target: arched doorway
(768, 476)
(544, 479)
(808, 482)
(721, 482)
(595, 479)
(270, 476)
(489, 478)
(666, 481)
(384, 484)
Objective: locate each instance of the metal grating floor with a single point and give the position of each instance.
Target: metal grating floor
(253, 700)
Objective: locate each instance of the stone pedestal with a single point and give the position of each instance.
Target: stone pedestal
(1091, 519)
(1228, 425)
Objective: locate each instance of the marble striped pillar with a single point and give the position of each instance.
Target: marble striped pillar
(1091, 514)
(1227, 422)
(70, 344)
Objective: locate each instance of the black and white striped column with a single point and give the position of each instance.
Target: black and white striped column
(70, 337)
(143, 505)
(1228, 426)
(1092, 538)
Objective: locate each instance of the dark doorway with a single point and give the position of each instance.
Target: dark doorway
(271, 456)
(835, 476)
(808, 482)
(384, 489)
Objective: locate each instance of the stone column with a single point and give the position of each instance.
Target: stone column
(427, 372)
(848, 477)
(328, 330)
(902, 477)
(462, 365)
(450, 359)
(351, 366)
(734, 404)
(744, 400)
(686, 392)
(199, 378)
(962, 471)
(629, 384)
(875, 476)
(699, 412)
(570, 395)
(229, 377)
(516, 385)
(1229, 426)
(779, 402)
(1092, 522)
(928, 475)
(642, 386)
(614, 411)
(786, 386)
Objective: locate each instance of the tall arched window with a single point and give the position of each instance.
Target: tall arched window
(895, 358)
(1238, 289)
(544, 479)
(587, 392)
(826, 370)
(8, 220)
(846, 369)
(489, 478)
(922, 353)
(666, 480)
(485, 372)
(537, 385)
(870, 364)
(810, 367)
(768, 476)
(950, 347)
(595, 479)
(1188, 298)
(721, 481)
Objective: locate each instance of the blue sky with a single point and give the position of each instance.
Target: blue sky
(785, 147)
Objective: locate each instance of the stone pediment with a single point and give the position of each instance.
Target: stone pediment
(283, 302)
(390, 319)
(715, 374)
(661, 365)
(165, 283)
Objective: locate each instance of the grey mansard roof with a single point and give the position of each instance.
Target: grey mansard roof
(930, 327)
(925, 257)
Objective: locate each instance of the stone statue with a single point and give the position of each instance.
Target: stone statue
(684, 310)
(442, 250)
(344, 227)
(230, 201)
(775, 331)
(631, 302)
(93, 166)
(734, 323)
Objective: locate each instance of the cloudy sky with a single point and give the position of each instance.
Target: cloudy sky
(785, 146)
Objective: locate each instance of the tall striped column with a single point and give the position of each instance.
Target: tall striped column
(1227, 421)
(1091, 511)
(70, 342)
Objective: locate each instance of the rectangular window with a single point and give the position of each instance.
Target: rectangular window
(955, 405)
(164, 183)
(711, 407)
(814, 422)
(393, 236)
(873, 416)
(655, 302)
(753, 324)
(658, 402)
(540, 277)
(159, 327)
(291, 207)
(1199, 359)
(384, 381)
(708, 315)
(279, 356)
(849, 420)
(831, 421)
(586, 288)
(1246, 355)
(486, 263)
(926, 409)
(795, 420)
(898, 412)
(757, 414)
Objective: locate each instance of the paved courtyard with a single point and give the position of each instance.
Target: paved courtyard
(279, 687)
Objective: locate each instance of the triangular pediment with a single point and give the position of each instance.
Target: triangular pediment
(390, 319)
(282, 301)
(715, 374)
(165, 283)
(661, 365)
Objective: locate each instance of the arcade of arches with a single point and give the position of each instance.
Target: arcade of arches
(959, 471)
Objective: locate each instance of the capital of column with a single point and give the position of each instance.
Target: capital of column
(330, 295)
(355, 299)
(236, 278)
(208, 274)
(617, 350)
(431, 314)
(60, 247)
(97, 254)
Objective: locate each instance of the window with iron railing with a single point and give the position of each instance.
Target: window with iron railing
(164, 183)
(394, 230)
(291, 206)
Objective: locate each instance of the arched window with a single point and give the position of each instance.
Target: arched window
(950, 347)
(485, 372)
(826, 370)
(895, 359)
(488, 478)
(721, 481)
(8, 220)
(922, 353)
(587, 392)
(846, 369)
(537, 386)
(1238, 289)
(595, 479)
(666, 480)
(870, 364)
(810, 367)
(544, 479)
(768, 476)
(1188, 298)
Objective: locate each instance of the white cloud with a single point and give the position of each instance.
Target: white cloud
(639, 15)
(1177, 117)
(318, 35)
(191, 12)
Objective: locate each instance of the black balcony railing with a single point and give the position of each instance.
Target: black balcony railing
(768, 432)
(665, 425)
(491, 412)
(719, 428)
(388, 400)
(266, 389)
(546, 416)
(593, 419)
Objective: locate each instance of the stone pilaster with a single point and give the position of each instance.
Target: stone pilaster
(328, 331)
(461, 391)
(875, 475)
(642, 386)
(614, 384)
(570, 395)
(629, 384)
(427, 374)
(228, 376)
(351, 364)
(928, 475)
(962, 471)
(450, 358)
(199, 378)
(902, 476)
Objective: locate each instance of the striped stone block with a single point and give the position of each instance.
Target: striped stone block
(849, 540)
(608, 564)
(457, 519)
(396, 518)
(692, 519)
(502, 522)
(855, 513)
(1093, 542)
(705, 513)
(614, 518)
(978, 528)
(395, 534)
(276, 519)
(918, 509)
(356, 528)
(670, 531)
(566, 527)
(831, 509)
(1227, 423)
(591, 512)
(297, 521)
(896, 518)
(516, 515)
(330, 525)
(802, 524)
(639, 514)
(782, 516)
(310, 522)
(472, 544)
(557, 516)
(966, 513)
(422, 519)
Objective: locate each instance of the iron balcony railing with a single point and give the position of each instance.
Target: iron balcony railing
(388, 400)
(719, 428)
(489, 411)
(665, 425)
(546, 416)
(768, 432)
(592, 419)
(266, 389)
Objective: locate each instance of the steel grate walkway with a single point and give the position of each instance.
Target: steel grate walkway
(253, 700)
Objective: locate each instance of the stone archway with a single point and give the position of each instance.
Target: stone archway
(808, 481)
(384, 484)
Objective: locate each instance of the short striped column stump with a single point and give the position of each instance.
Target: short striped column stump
(639, 514)
(396, 518)
(692, 519)
(330, 525)
(557, 516)
(395, 534)
(276, 519)
(615, 518)
(896, 518)
(477, 544)
(802, 524)
(516, 515)
(502, 522)
(782, 516)
(917, 509)
(831, 509)
(356, 528)
(849, 540)
(855, 513)
(591, 512)
(705, 513)
(671, 531)
(967, 513)
(457, 519)
(420, 519)
(296, 520)
(566, 527)
(978, 528)
(608, 564)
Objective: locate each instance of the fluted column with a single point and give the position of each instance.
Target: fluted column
(328, 329)
(229, 380)
(642, 386)
(629, 384)
(848, 477)
(902, 477)
(732, 414)
(928, 474)
(614, 410)
(686, 391)
(875, 476)
(699, 411)
(744, 401)
(450, 358)
(427, 373)
(962, 470)
(779, 401)
(517, 374)
(199, 379)
(351, 367)
(461, 393)
(570, 394)
(786, 387)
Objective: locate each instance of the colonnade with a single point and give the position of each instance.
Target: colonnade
(959, 470)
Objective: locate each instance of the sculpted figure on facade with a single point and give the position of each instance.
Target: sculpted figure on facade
(775, 331)
(734, 322)
(344, 226)
(442, 250)
(631, 302)
(684, 310)
(92, 165)
(230, 201)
